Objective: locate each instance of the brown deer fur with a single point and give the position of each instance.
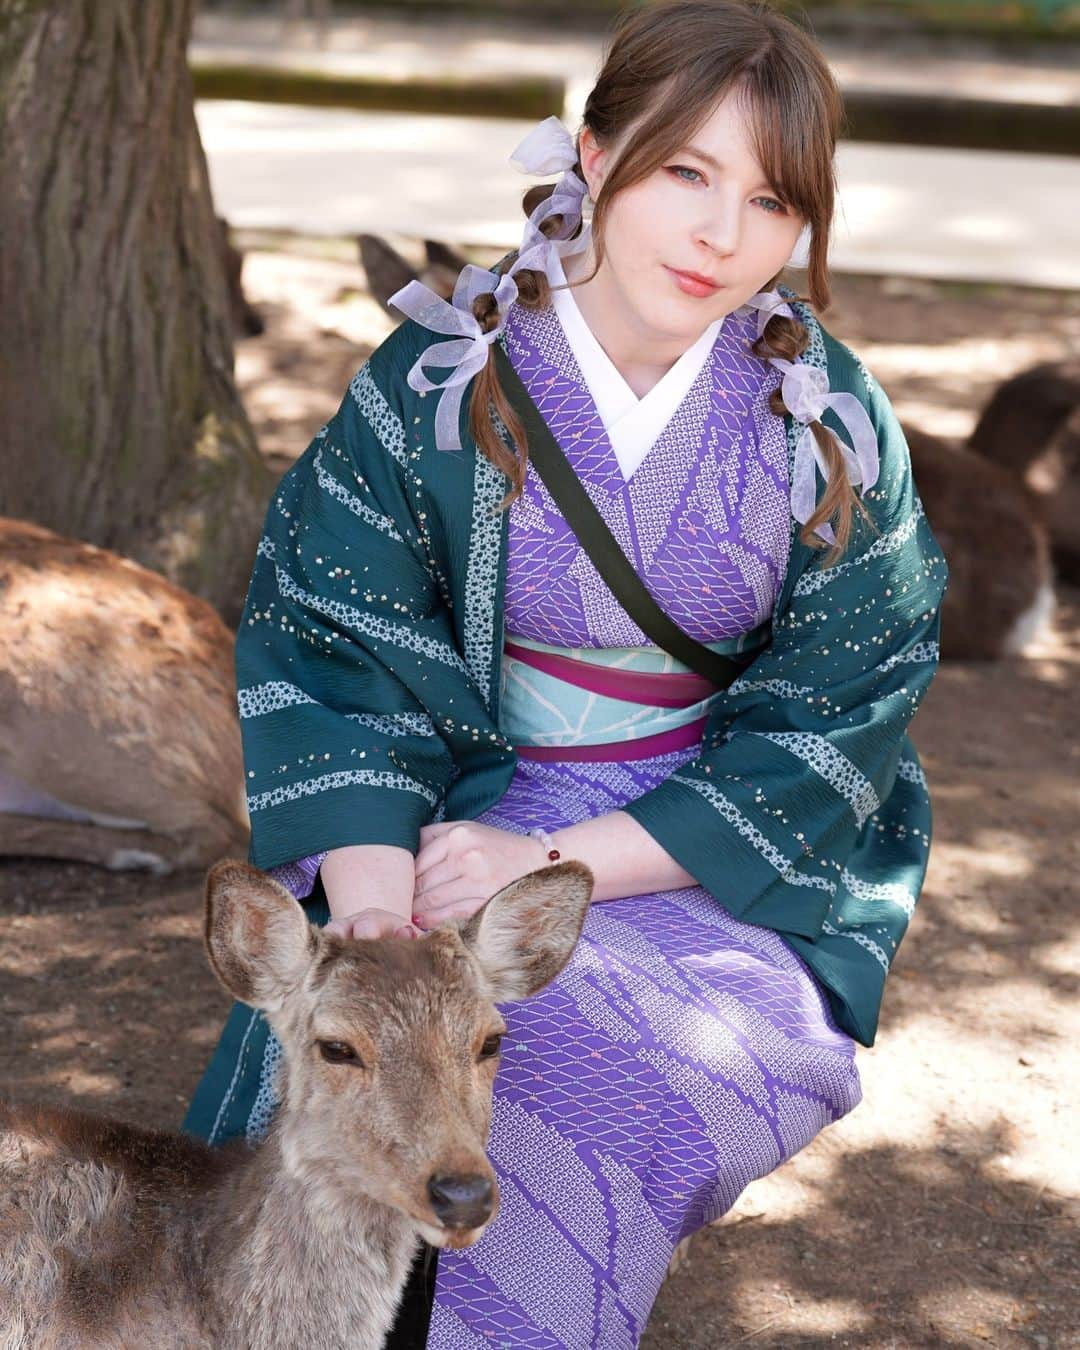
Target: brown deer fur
(113, 1236)
(1031, 426)
(246, 319)
(119, 739)
(1000, 591)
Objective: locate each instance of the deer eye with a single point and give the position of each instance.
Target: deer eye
(490, 1048)
(337, 1052)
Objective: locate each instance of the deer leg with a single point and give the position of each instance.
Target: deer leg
(81, 841)
(22, 799)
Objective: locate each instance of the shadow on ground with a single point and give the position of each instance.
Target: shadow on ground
(900, 1246)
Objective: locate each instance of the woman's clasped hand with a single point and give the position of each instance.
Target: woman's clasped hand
(371, 922)
(461, 864)
(458, 867)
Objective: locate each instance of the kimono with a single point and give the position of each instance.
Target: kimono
(409, 652)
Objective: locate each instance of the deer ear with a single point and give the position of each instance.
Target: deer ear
(527, 932)
(257, 936)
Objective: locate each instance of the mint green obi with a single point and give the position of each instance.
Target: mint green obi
(558, 698)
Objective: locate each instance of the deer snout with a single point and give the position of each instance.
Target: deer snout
(462, 1201)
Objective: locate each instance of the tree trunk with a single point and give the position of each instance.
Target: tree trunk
(120, 422)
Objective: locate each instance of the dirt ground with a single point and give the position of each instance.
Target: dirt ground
(942, 1211)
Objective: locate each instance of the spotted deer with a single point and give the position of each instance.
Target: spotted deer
(119, 738)
(113, 1236)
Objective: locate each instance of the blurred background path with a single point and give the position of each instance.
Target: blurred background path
(915, 210)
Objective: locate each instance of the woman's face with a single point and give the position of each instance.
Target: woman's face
(718, 219)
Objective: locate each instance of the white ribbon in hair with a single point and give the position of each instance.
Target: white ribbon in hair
(467, 352)
(546, 149)
(805, 391)
(549, 148)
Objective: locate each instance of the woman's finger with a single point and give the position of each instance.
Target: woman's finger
(371, 923)
(436, 831)
(366, 926)
(462, 909)
(438, 875)
(433, 851)
(427, 906)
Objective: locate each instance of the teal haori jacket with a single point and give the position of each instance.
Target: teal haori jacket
(368, 663)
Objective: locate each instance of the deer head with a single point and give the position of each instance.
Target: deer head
(391, 1047)
(387, 271)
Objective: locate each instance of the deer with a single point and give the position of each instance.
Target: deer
(1031, 427)
(246, 319)
(99, 657)
(387, 271)
(101, 663)
(975, 508)
(1000, 597)
(113, 1236)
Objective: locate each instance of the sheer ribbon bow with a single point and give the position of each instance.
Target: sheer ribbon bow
(548, 148)
(805, 391)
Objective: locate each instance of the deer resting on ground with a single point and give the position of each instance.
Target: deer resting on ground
(119, 740)
(117, 1237)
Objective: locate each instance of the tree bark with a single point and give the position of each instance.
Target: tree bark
(120, 422)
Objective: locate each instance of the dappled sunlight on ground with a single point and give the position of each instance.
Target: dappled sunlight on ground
(938, 1212)
(959, 364)
(107, 999)
(290, 386)
(879, 1244)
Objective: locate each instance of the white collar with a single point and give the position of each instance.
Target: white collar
(633, 424)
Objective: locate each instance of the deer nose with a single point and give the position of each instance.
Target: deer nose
(462, 1202)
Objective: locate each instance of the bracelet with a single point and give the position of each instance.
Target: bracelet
(544, 839)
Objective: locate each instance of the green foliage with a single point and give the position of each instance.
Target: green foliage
(1032, 18)
(526, 97)
(994, 16)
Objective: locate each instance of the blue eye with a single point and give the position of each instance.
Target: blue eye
(774, 208)
(682, 168)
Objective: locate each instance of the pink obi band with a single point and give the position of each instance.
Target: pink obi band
(633, 686)
(672, 690)
(678, 738)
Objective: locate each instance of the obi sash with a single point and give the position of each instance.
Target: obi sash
(606, 703)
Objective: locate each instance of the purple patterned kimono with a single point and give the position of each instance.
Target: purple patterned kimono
(681, 1053)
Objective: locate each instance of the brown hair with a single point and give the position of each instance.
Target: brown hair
(666, 68)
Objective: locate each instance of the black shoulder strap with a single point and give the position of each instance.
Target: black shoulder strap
(600, 544)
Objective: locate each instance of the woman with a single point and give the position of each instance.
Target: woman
(438, 694)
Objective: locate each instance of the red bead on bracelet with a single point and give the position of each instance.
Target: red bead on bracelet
(544, 839)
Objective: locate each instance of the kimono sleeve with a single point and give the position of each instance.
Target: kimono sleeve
(342, 624)
(803, 750)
